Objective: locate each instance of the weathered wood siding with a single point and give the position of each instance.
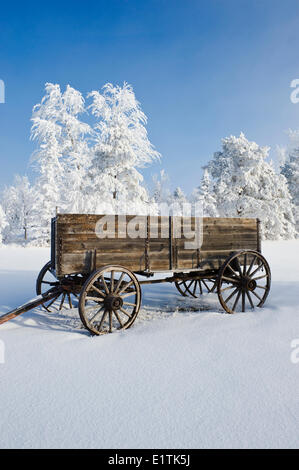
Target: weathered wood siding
(222, 236)
(159, 247)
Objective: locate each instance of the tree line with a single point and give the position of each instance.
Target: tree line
(89, 158)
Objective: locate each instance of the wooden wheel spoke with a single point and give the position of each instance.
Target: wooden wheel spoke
(187, 287)
(92, 308)
(245, 264)
(251, 265)
(53, 300)
(232, 270)
(112, 281)
(125, 312)
(256, 270)
(231, 295)
(62, 301)
(250, 299)
(238, 266)
(110, 321)
(102, 320)
(114, 284)
(237, 300)
(95, 299)
(230, 279)
(118, 319)
(123, 289)
(205, 284)
(104, 284)
(97, 314)
(227, 288)
(260, 277)
(97, 290)
(243, 301)
(128, 294)
(119, 283)
(195, 285)
(254, 293)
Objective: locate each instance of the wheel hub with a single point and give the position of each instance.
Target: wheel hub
(247, 283)
(251, 284)
(113, 302)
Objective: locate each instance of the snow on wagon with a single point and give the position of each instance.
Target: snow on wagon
(100, 267)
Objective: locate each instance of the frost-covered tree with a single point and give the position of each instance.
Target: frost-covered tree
(161, 191)
(121, 147)
(290, 169)
(204, 195)
(75, 150)
(62, 157)
(19, 203)
(178, 202)
(246, 185)
(3, 223)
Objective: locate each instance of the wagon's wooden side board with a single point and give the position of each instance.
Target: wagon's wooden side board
(159, 246)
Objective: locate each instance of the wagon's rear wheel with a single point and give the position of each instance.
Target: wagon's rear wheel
(243, 281)
(195, 287)
(110, 300)
(47, 280)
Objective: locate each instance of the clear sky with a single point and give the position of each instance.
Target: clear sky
(202, 70)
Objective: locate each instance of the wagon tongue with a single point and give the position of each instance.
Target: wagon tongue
(41, 299)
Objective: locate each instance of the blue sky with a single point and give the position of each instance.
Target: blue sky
(202, 70)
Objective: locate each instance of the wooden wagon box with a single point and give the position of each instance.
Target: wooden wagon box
(77, 248)
(95, 259)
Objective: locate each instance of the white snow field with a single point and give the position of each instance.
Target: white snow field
(186, 375)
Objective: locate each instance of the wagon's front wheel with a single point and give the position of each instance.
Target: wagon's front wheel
(47, 280)
(110, 300)
(243, 281)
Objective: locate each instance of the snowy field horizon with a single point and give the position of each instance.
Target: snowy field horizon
(186, 375)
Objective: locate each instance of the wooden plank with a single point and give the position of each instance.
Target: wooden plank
(76, 241)
(85, 262)
(105, 245)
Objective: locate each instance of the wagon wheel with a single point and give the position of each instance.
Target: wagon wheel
(45, 281)
(195, 287)
(243, 281)
(110, 300)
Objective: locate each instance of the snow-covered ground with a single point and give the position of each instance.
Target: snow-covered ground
(186, 375)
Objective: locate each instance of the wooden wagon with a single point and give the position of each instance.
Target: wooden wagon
(99, 263)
